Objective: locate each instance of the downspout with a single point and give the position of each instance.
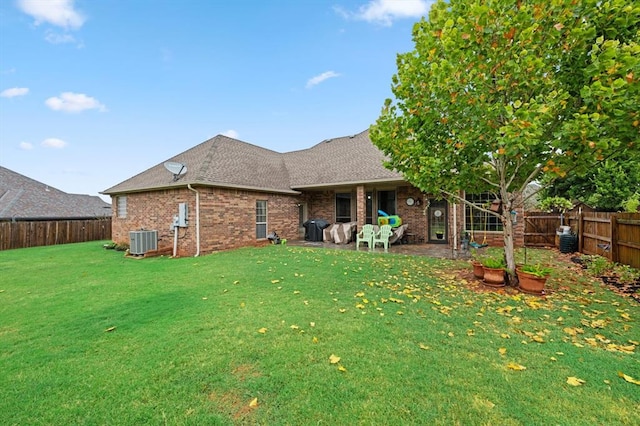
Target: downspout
(455, 226)
(197, 220)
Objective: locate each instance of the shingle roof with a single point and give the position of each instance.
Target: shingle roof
(227, 162)
(349, 159)
(22, 197)
(220, 161)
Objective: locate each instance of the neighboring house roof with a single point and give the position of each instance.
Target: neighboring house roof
(24, 198)
(226, 162)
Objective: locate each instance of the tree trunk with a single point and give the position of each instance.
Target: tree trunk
(509, 254)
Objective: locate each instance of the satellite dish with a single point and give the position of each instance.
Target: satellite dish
(177, 169)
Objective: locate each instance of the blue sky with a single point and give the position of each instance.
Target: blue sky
(93, 92)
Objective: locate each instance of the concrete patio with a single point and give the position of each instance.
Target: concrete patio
(442, 251)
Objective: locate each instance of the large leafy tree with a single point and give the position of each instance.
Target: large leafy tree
(606, 186)
(499, 93)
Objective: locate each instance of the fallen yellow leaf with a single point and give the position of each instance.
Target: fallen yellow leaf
(263, 330)
(423, 346)
(341, 368)
(253, 403)
(517, 367)
(502, 351)
(110, 329)
(275, 281)
(334, 359)
(314, 340)
(574, 381)
(628, 378)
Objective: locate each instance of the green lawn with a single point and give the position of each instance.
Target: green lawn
(90, 337)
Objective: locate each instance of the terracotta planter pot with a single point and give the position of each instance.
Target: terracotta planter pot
(530, 283)
(494, 277)
(478, 270)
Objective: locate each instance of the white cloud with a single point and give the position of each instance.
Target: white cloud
(60, 13)
(55, 38)
(26, 146)
(54, 143)
(231, 134)
(74, 102)
(14, 91)
(384, 12)
(313, 81)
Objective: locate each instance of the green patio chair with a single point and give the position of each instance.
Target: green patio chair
(365, 236)
(382, 237)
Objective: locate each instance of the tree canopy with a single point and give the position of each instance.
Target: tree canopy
(499, 93)
(607, 186)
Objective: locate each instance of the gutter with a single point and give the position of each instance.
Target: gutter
(197, 220)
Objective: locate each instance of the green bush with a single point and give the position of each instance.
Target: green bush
(598, 265)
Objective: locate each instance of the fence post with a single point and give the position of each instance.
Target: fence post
(614, 238)
(580, 230)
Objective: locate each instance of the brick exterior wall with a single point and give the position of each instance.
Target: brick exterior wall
(227, 218)
(413, 216)
(322, 205)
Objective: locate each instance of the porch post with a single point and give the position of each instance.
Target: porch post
(361, 205)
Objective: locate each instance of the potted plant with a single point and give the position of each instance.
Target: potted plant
(478, 269)
(494, 268)
(532, 278)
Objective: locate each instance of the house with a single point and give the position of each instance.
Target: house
(236, 193)
(25, 199)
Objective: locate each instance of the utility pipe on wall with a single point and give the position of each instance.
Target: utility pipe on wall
(455, 227)
(197, 220)
(175, 240)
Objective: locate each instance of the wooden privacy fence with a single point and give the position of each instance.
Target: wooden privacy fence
(615, 236)
(22, 234)
(540, 229)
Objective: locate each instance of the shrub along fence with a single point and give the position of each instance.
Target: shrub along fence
(615, 236)
(33, 233)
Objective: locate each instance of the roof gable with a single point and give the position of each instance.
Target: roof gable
(349, 159)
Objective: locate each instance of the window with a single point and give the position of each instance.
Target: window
(481, 220)
(343, 207)
(122, 206)
(261, 219)
(387, 202)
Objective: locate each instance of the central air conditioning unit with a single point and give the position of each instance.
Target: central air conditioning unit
(143, 241)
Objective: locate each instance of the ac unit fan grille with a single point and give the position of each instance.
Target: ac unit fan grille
(143, 241)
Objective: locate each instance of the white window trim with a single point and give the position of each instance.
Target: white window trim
(266, 217)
